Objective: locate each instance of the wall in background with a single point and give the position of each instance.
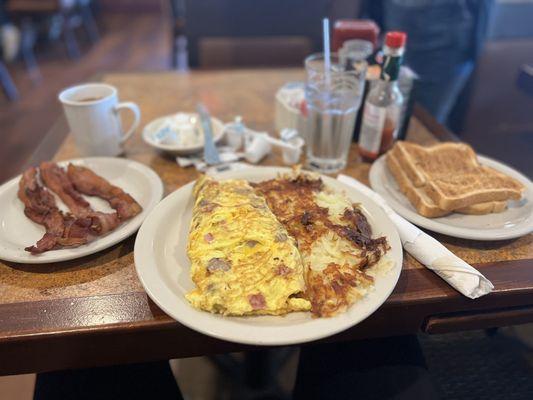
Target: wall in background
(131, 5)
(512, 19)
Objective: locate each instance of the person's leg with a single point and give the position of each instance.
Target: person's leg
(385, 368)
(128, 382)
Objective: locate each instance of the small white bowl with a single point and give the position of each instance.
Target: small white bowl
(151, 129)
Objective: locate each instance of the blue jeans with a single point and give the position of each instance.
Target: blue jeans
(444, 37)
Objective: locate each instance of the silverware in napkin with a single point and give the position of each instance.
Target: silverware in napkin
(428, 251)
(211, 156)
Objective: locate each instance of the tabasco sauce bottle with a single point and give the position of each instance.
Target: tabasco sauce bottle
(383, 105)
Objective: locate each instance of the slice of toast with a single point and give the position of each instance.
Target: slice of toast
(489, 207)
(424, 205)
(452, 176)
(417, 196)
(419, 161)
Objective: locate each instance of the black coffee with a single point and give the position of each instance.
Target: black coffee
(87, 99)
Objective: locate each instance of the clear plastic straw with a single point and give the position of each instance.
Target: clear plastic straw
(325, 141)
(327, 52)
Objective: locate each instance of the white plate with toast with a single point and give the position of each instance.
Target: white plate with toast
(516, 220)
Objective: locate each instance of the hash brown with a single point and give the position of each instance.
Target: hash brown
(334, 238)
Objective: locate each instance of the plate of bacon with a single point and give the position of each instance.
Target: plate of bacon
(61, 211)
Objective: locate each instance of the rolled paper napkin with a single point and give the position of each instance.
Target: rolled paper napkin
(428, 251)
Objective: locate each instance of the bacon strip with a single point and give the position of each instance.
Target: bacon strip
(87, 182)
(58, 181)
(40, 207)
(83, 223)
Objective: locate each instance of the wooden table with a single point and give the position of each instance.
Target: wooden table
(93, 311)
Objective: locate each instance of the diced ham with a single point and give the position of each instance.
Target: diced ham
(283, 270)
(218, 264)
(257, 301)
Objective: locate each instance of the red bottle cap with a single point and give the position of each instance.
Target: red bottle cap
(395, 39)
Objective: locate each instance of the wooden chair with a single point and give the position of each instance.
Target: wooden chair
(30, 12)
(72, 14)
(244, 33)
(8, 86)
(177, 12)
(88, 20)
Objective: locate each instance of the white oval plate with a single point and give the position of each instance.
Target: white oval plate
(152, 127)
(514, 222)
(18, 232)
(163, 268)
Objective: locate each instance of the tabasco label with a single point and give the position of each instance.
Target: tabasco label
(372, 128)
(378, 129)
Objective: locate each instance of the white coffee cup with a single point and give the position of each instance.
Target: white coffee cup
(92, 112)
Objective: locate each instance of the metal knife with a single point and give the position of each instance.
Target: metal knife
(211, 156)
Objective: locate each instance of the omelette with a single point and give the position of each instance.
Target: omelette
(333, 236)
(243, 261)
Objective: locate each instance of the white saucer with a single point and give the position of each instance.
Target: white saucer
(151, 129)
